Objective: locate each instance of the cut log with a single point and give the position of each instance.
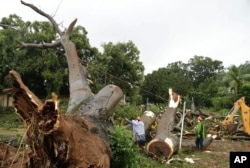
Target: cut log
(148, 117)
(165, 143)
(189, 145)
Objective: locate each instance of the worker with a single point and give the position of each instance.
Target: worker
(138, 131)
(200, 134)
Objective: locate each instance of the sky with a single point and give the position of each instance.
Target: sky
(164, 31)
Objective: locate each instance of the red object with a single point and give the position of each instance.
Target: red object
(199, 118)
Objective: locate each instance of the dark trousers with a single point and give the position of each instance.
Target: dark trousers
(199, 144)
(140, 143)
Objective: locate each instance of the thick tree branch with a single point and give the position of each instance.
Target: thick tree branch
(40, 46)
(45, 15)
(70, 28)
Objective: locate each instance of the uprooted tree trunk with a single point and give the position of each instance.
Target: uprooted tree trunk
(55, 139)
(78, 83)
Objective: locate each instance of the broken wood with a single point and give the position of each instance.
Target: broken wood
(64, 140)
(165, 143)
(189, 145)
(55, 139)
(148, 118)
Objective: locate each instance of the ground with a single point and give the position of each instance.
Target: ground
(215, 156)
(218, 153)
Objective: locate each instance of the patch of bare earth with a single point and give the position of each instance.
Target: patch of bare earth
(217, 155)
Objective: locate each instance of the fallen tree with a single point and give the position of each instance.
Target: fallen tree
(54, 139)
(63, 140)
(166, 143)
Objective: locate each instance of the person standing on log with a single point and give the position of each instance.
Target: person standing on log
(138, 131)
(200, 134)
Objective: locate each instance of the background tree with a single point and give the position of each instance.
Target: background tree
(50, 69)
(10, 29)
(235, 82)
(236, 77)
(50, 66)
(203, 72)
(156, 85)
(202, 68)
(119, 64)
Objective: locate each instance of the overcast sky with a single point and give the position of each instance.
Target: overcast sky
(164, 31)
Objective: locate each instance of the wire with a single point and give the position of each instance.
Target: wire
(165, 100)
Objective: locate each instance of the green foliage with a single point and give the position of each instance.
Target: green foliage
(245, 91)
(38, 67)
(9, 119)
(126, 111)
(119, 64)
(153, 108)
(205, 92)
(156, 85)
(225, 102)
(202, 68)
(63, 104)
(125, 152)
(136, 99)
(45, 71)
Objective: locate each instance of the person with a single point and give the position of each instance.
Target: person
(138, 131)
(200, 134)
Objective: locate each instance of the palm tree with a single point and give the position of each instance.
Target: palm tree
(235, 78)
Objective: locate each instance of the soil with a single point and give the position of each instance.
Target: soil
(217, 155)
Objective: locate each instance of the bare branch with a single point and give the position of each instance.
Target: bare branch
(45, 15)
(40, 46)
(70, 28)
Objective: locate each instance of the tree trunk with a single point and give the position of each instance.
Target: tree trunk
(189, 145)
(165, 143)
(148, 118)
(55, 139)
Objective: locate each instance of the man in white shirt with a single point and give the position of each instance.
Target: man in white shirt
(138, 131)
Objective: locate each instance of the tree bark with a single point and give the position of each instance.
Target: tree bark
(54, 139)
(148, 118)
(189, 145)
(78, 84)
(64, 140)
(165, 143)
